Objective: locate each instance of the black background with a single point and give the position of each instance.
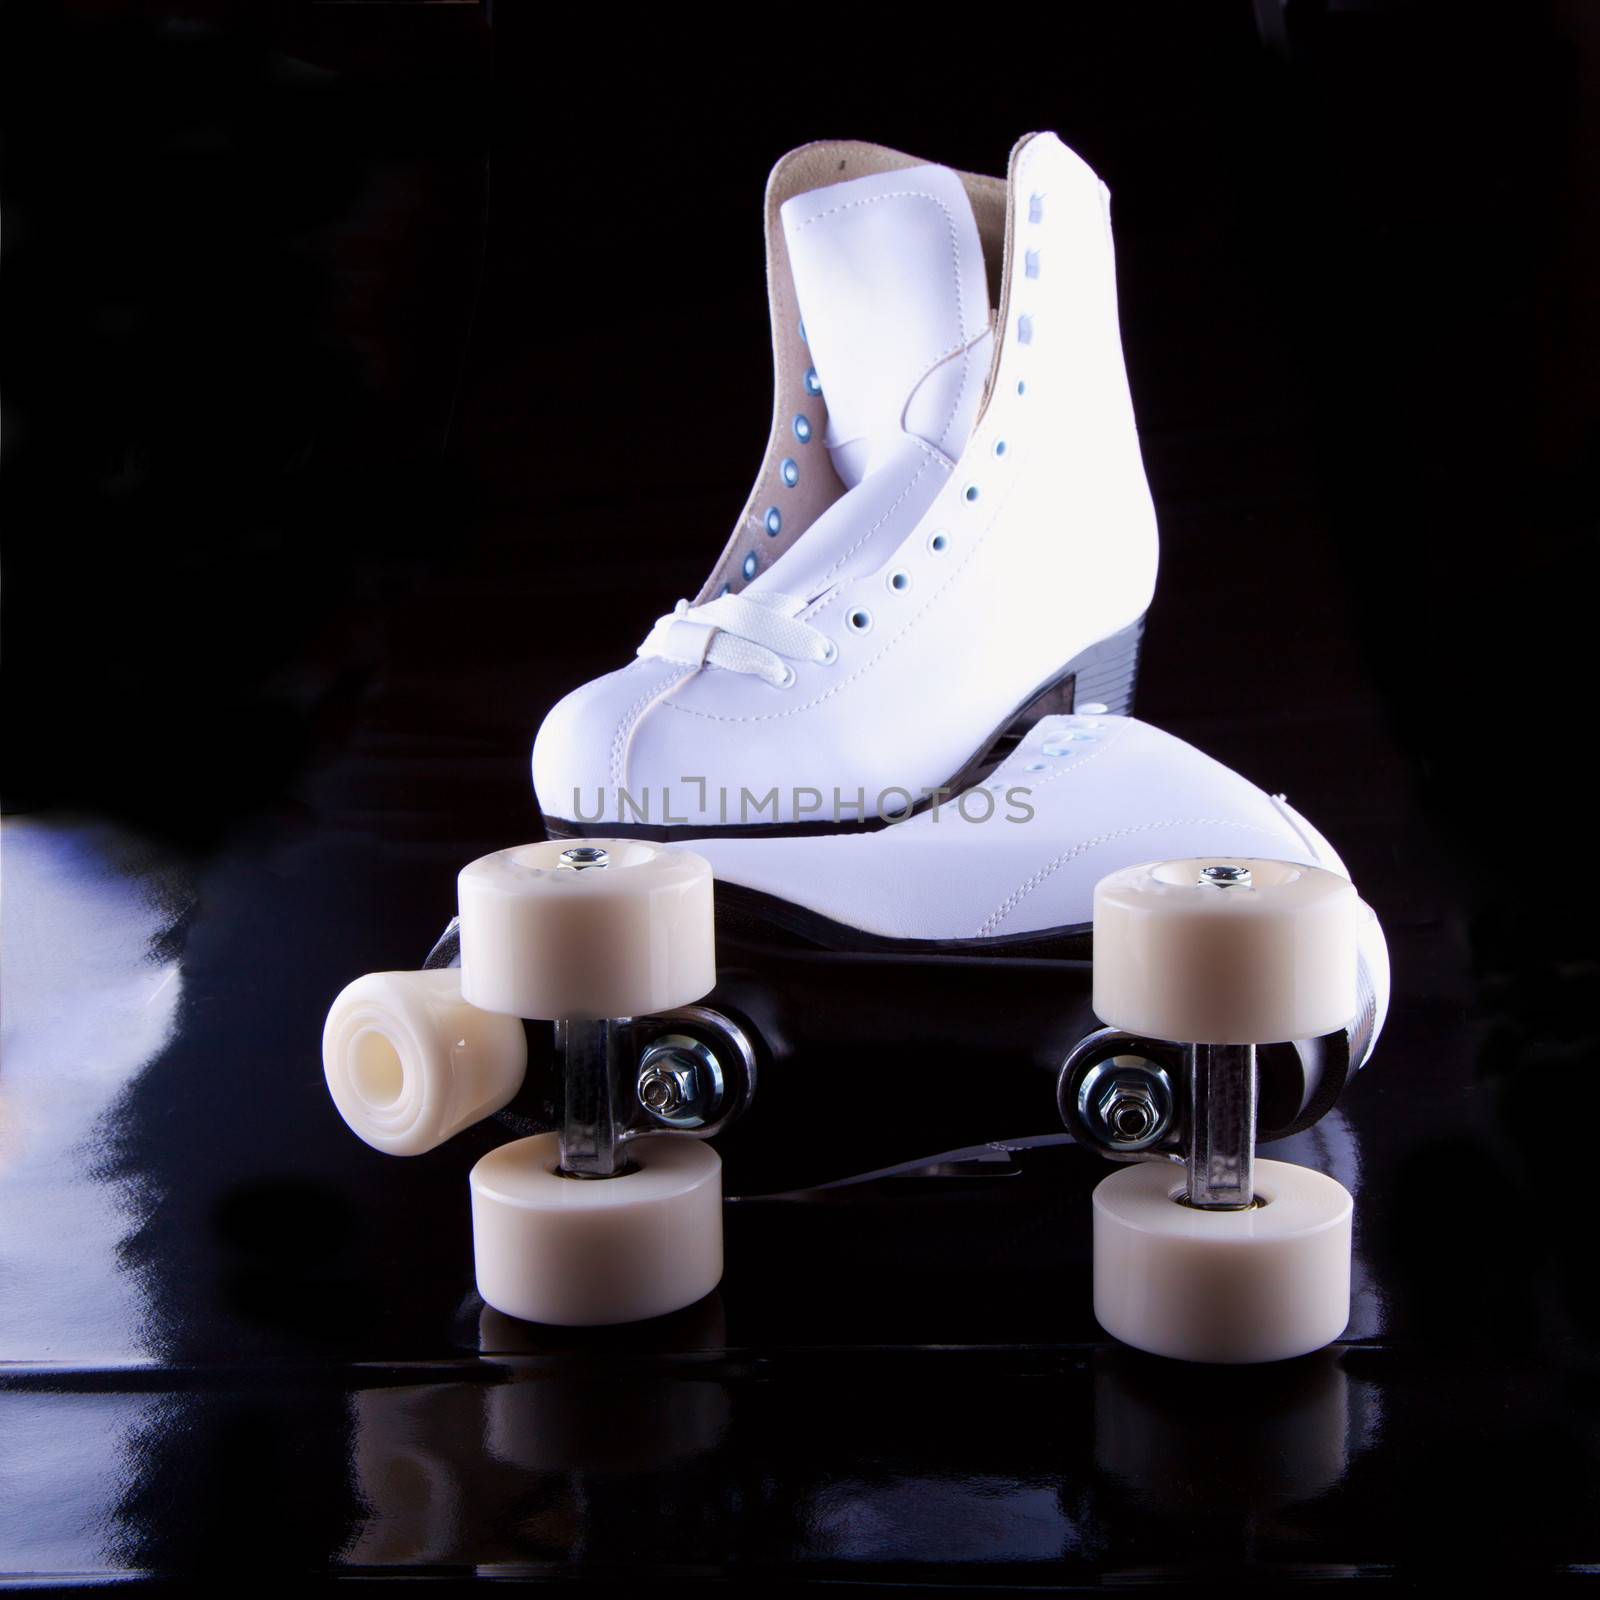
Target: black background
(315, 312)
(374, 373)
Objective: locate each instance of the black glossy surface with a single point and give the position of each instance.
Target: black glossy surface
(265, 702)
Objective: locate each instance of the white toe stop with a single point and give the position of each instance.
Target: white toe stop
(410, 1064)
(1222, 1286)
(584, 1252)
(1260, 962)
(633, 936)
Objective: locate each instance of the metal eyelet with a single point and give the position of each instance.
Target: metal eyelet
(813, 384)
(752, 564)
(802, 428)
(790, 471)
(970, 493)
(774, 521)
(899, 581)
(938, 543)
(1000, 447)
(859, 620)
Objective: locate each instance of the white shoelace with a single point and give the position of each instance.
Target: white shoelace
(757, 633)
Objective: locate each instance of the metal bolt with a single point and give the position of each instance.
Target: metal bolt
(680, 1081)
(580, 857)
(1225, 876)
(1129, 1111)
(1126, 1102)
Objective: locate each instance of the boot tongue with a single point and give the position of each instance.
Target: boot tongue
(890, 278)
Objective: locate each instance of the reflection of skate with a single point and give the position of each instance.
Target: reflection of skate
(1273, 1436)
(411, 1472)
(860, 980)
(617, 1415)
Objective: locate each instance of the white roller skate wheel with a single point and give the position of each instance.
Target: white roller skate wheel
(544, 937)
(586, 1252)
(410, 1064)
(1260, 962)
(1261, 1284)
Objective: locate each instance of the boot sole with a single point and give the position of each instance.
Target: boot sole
(1105, 675)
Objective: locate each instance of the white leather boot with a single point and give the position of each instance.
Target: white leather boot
(951, 531)
(1009, 867)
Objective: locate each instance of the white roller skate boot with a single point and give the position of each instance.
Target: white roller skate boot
(950, 534)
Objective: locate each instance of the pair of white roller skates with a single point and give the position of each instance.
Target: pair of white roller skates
(931, 607)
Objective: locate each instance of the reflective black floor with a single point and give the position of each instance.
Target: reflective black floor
(232, 1338)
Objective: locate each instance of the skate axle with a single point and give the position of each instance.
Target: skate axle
(594, 1107)
(1221, 1146)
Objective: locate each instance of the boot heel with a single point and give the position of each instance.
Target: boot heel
(1106, 673)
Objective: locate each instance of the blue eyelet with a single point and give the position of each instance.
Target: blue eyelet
(812, 382)
(1035, 208)
(971, 493)
(1024, 330)
(1022, 386)
(774, 521)
(751, 563)
(999, 447)
(790, 471)
(1030, 263)
(802, 428)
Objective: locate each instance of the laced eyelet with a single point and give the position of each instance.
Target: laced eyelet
(830, 652)
(787, 681)
(859, 620)
(938, 543)
(898, 582)
(813, 384)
